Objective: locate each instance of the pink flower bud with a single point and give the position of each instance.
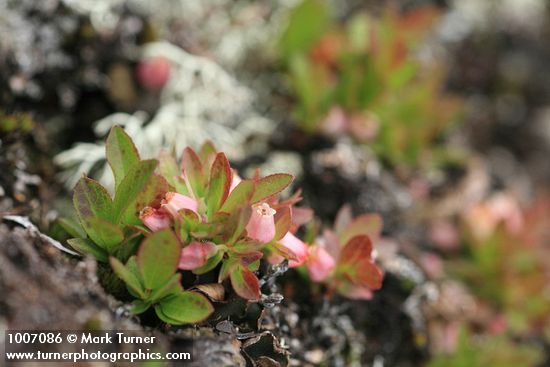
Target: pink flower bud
(153, 73)
(297, 246)
(261, 225)
(319, 263)
(173, 202)
(196, 254)
(154, 219)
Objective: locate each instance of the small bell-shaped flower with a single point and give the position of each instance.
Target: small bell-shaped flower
(155, 219)
(261, 225)
(196, 254)
(319, 263)
(173, 202)
(297, 246)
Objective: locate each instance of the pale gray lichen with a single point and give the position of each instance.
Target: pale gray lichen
(200, 102)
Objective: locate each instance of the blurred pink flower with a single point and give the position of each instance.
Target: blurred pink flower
(319, 263)
(153, 73)
(444, 234)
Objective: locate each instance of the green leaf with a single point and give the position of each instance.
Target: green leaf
(158, 258)
(237, 223)
(165, 318)
(131, 280)
(227, 267)
(137, 190)
(270, 185)
(210, 264)
(85, 246)
(122, 154)
(247, 245)
(241, 195)
(72, 227)
(245, 283)
(128, 247)
(174, 284)
(139, 306)
(307, 22)
(207, 153)
(106, 234)
(91, 200)
(220, 182)
(193, 171)
(185, 308)
(170, 170)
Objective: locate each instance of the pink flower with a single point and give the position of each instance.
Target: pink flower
(261, 225)
(154, 219)
(173, 202)
(319, 264)
(297, 246)
(335, 123)
(153, 73)
(196, 254)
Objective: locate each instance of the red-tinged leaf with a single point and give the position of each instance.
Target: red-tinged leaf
(245, 283)
(283, 222)
(270, 185)
(366, 224)
(193, 172)
(91, 200)
(368, 274)
(220, 182)
(283, 251)
(121, 152)
(250, 257)
(207, 153)
(240, 196)
(357, 249)
(185, 308)
(158, 258)
(169, 169)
